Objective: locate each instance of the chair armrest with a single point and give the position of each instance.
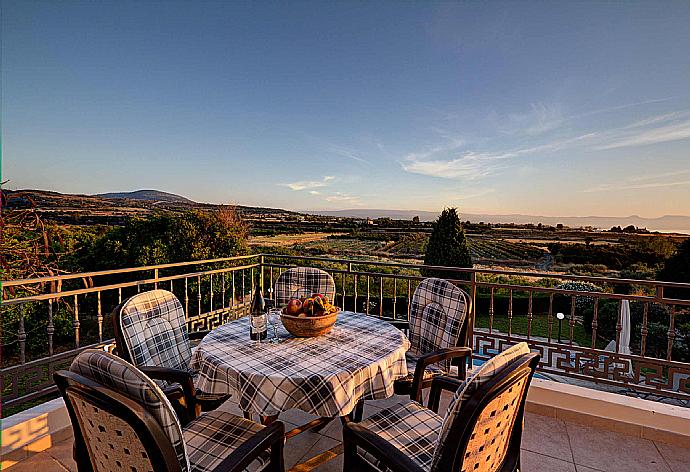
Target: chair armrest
(355, 435)
(177, 376)
(432, 358)
(437, 385)
(271, 436)
(198, 334)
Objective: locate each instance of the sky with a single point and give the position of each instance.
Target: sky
(544, 108)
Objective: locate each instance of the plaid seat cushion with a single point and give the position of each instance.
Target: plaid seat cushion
(437, 314)
(213, 436)
(410, 427)
(155, 332)
(430, 372)
(121, 376)
(487, 371)
(303, 281)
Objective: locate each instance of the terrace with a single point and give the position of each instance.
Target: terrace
(591, 407)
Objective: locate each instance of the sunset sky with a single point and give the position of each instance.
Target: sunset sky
(558, 108)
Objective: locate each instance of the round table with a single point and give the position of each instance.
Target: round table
(358, 360)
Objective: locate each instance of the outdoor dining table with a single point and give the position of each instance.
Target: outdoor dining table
(326, 375)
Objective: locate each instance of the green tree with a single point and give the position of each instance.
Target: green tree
(447, 246)
(166, 238)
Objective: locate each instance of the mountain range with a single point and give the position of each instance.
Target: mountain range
(148, 195)
(667, 223)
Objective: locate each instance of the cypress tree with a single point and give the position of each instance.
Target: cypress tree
(447, 246)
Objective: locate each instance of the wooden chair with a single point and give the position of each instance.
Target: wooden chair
(151, 333)
(480, 432)
(439, 331)
(123, 421)
(303, 281)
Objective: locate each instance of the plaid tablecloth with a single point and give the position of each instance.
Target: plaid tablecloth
(359, 359)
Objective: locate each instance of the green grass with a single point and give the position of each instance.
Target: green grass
(540, 327)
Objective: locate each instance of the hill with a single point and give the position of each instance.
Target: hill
(667, 223)
(148, 195)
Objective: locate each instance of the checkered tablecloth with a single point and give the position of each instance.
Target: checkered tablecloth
(359, 359)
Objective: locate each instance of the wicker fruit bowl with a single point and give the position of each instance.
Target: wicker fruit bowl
(309, 326)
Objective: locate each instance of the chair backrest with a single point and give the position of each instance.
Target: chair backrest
(482, 429)
(438, 316)
(121, 418)
(150, 330)
(303, 281)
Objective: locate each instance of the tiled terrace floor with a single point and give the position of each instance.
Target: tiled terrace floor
(548, 445)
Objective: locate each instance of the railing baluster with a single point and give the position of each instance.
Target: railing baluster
(395, 296)
(550, 316)
(211, 290)
(671, 332)
(529, 316)
(356, 283)
(491, 311)
(76, 324)
(171, 286)
(100, 318)
(155, 279)
(342, 276)
(644, 331)
(232, 303)
(409, 298)
(572, 319)
(510, 315)
(381, 297)
(51, 327)
(198, 295)
(222, 295)
(619, 326)
(368, 298)
(595, 323)
(21, 336)
(186, 297)
(119, 295)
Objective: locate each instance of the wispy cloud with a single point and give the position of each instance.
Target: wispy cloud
(658, 134)
(309, 184)
(643, 182)
(472, 165)
(340, 197)
(347, 153)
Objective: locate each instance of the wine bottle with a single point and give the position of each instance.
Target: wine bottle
(258, 329)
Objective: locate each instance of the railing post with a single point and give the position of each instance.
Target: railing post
(76, 324)
(99, 317)
(21, 336)
(51, 327)
(473, 313)
(671, 333)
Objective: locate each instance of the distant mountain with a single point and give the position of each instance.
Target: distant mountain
(667, 223)
(148, 195)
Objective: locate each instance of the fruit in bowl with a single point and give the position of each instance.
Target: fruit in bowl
(309, 316)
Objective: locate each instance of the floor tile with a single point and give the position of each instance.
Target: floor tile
(582, 468)
(533, 462)
(546, 436)
(62, 452)
(676, 457)
(298, 446)
(42, 461)
(613, 452)
(312, 457)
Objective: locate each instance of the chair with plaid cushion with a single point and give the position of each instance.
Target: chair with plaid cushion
(151, 333)
(123, 421)
(303, 282)
(438, 331)
(480, 432)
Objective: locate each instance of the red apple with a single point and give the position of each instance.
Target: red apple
(294, 307)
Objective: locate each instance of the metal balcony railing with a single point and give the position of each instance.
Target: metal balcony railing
(47, 321)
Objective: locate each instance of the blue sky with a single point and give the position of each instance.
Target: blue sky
(560, 108)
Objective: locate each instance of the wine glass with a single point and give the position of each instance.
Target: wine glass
(274, 319)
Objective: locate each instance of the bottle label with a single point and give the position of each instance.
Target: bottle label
(258, 323)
